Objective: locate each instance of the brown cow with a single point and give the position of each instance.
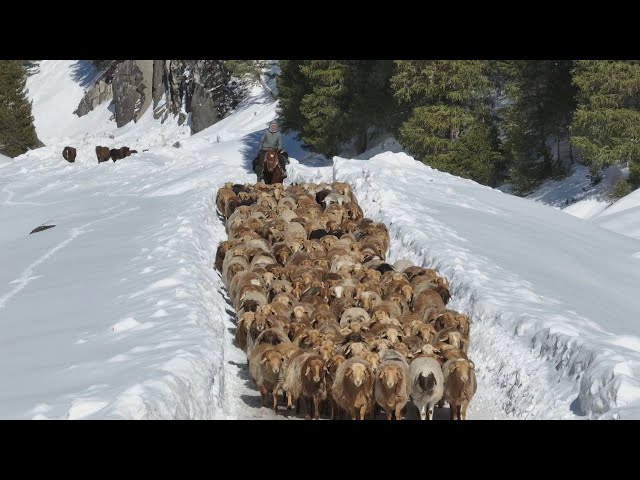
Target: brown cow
(102, 153)
(69, 154)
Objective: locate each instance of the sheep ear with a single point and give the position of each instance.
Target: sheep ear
(308, 370)
(472, 365)
(381, 374)
(263, 361)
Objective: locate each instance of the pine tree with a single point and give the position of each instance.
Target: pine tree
(324, 107)
(17, 133)
(450, 125)
(606, 125)
(31, 66)
(370, 101)
(292, 87)
(542, 102)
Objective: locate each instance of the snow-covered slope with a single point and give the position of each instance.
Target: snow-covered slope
(56, 91)
(623, 216)
(117, 312)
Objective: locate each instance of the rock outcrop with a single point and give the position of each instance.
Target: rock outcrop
(198, 90)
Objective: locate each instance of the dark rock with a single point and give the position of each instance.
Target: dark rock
(41, 228)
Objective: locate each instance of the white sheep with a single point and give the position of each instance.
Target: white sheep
(427, 385)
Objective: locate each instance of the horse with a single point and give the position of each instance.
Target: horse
(69, 154)
(271, 169)
(102, 153)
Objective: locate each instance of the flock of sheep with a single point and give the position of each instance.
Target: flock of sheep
(324, 319)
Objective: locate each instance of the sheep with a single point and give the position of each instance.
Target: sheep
(427, 385)
(392, 386)
(352, 387)
(307, 275)
(292, 384)
(459, 386)
(258, 325)
(265, 363)
(354, 314)
(402, 265)
(313, 384)
(271, 336)
(242, 329)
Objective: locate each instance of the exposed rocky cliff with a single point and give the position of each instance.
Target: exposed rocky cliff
(199, 90)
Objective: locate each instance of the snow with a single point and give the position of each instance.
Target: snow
(577, 187)
(117, 311)
(56, 91)
(623, 216)
(587, 208)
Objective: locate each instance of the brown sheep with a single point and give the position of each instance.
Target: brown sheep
(265, 363)
(352, 387)
(392, 385)
(459, 386)
(332, 367)
(242, 329)
(292, 381)
(426, 300)
(313, 384)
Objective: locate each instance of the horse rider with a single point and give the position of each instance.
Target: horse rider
(271, 139)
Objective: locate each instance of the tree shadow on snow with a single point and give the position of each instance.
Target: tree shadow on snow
(575, 408)
(249, 149)
(84, 72)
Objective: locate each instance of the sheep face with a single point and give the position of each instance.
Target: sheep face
(392, 334)
(357, 374)
(260, 323)
(273, 360)
(315, 370)
(462, 369)
(390, 376)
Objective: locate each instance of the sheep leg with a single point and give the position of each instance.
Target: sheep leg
(463, 412)
(316, 404)
(452, 410)
(363, 412)
(275, 399)
(398, 412)
(297, 406)
(353, 414)
(307, 408)
(264, 393)
(289, 401)
(430, 412)
(389, 415)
